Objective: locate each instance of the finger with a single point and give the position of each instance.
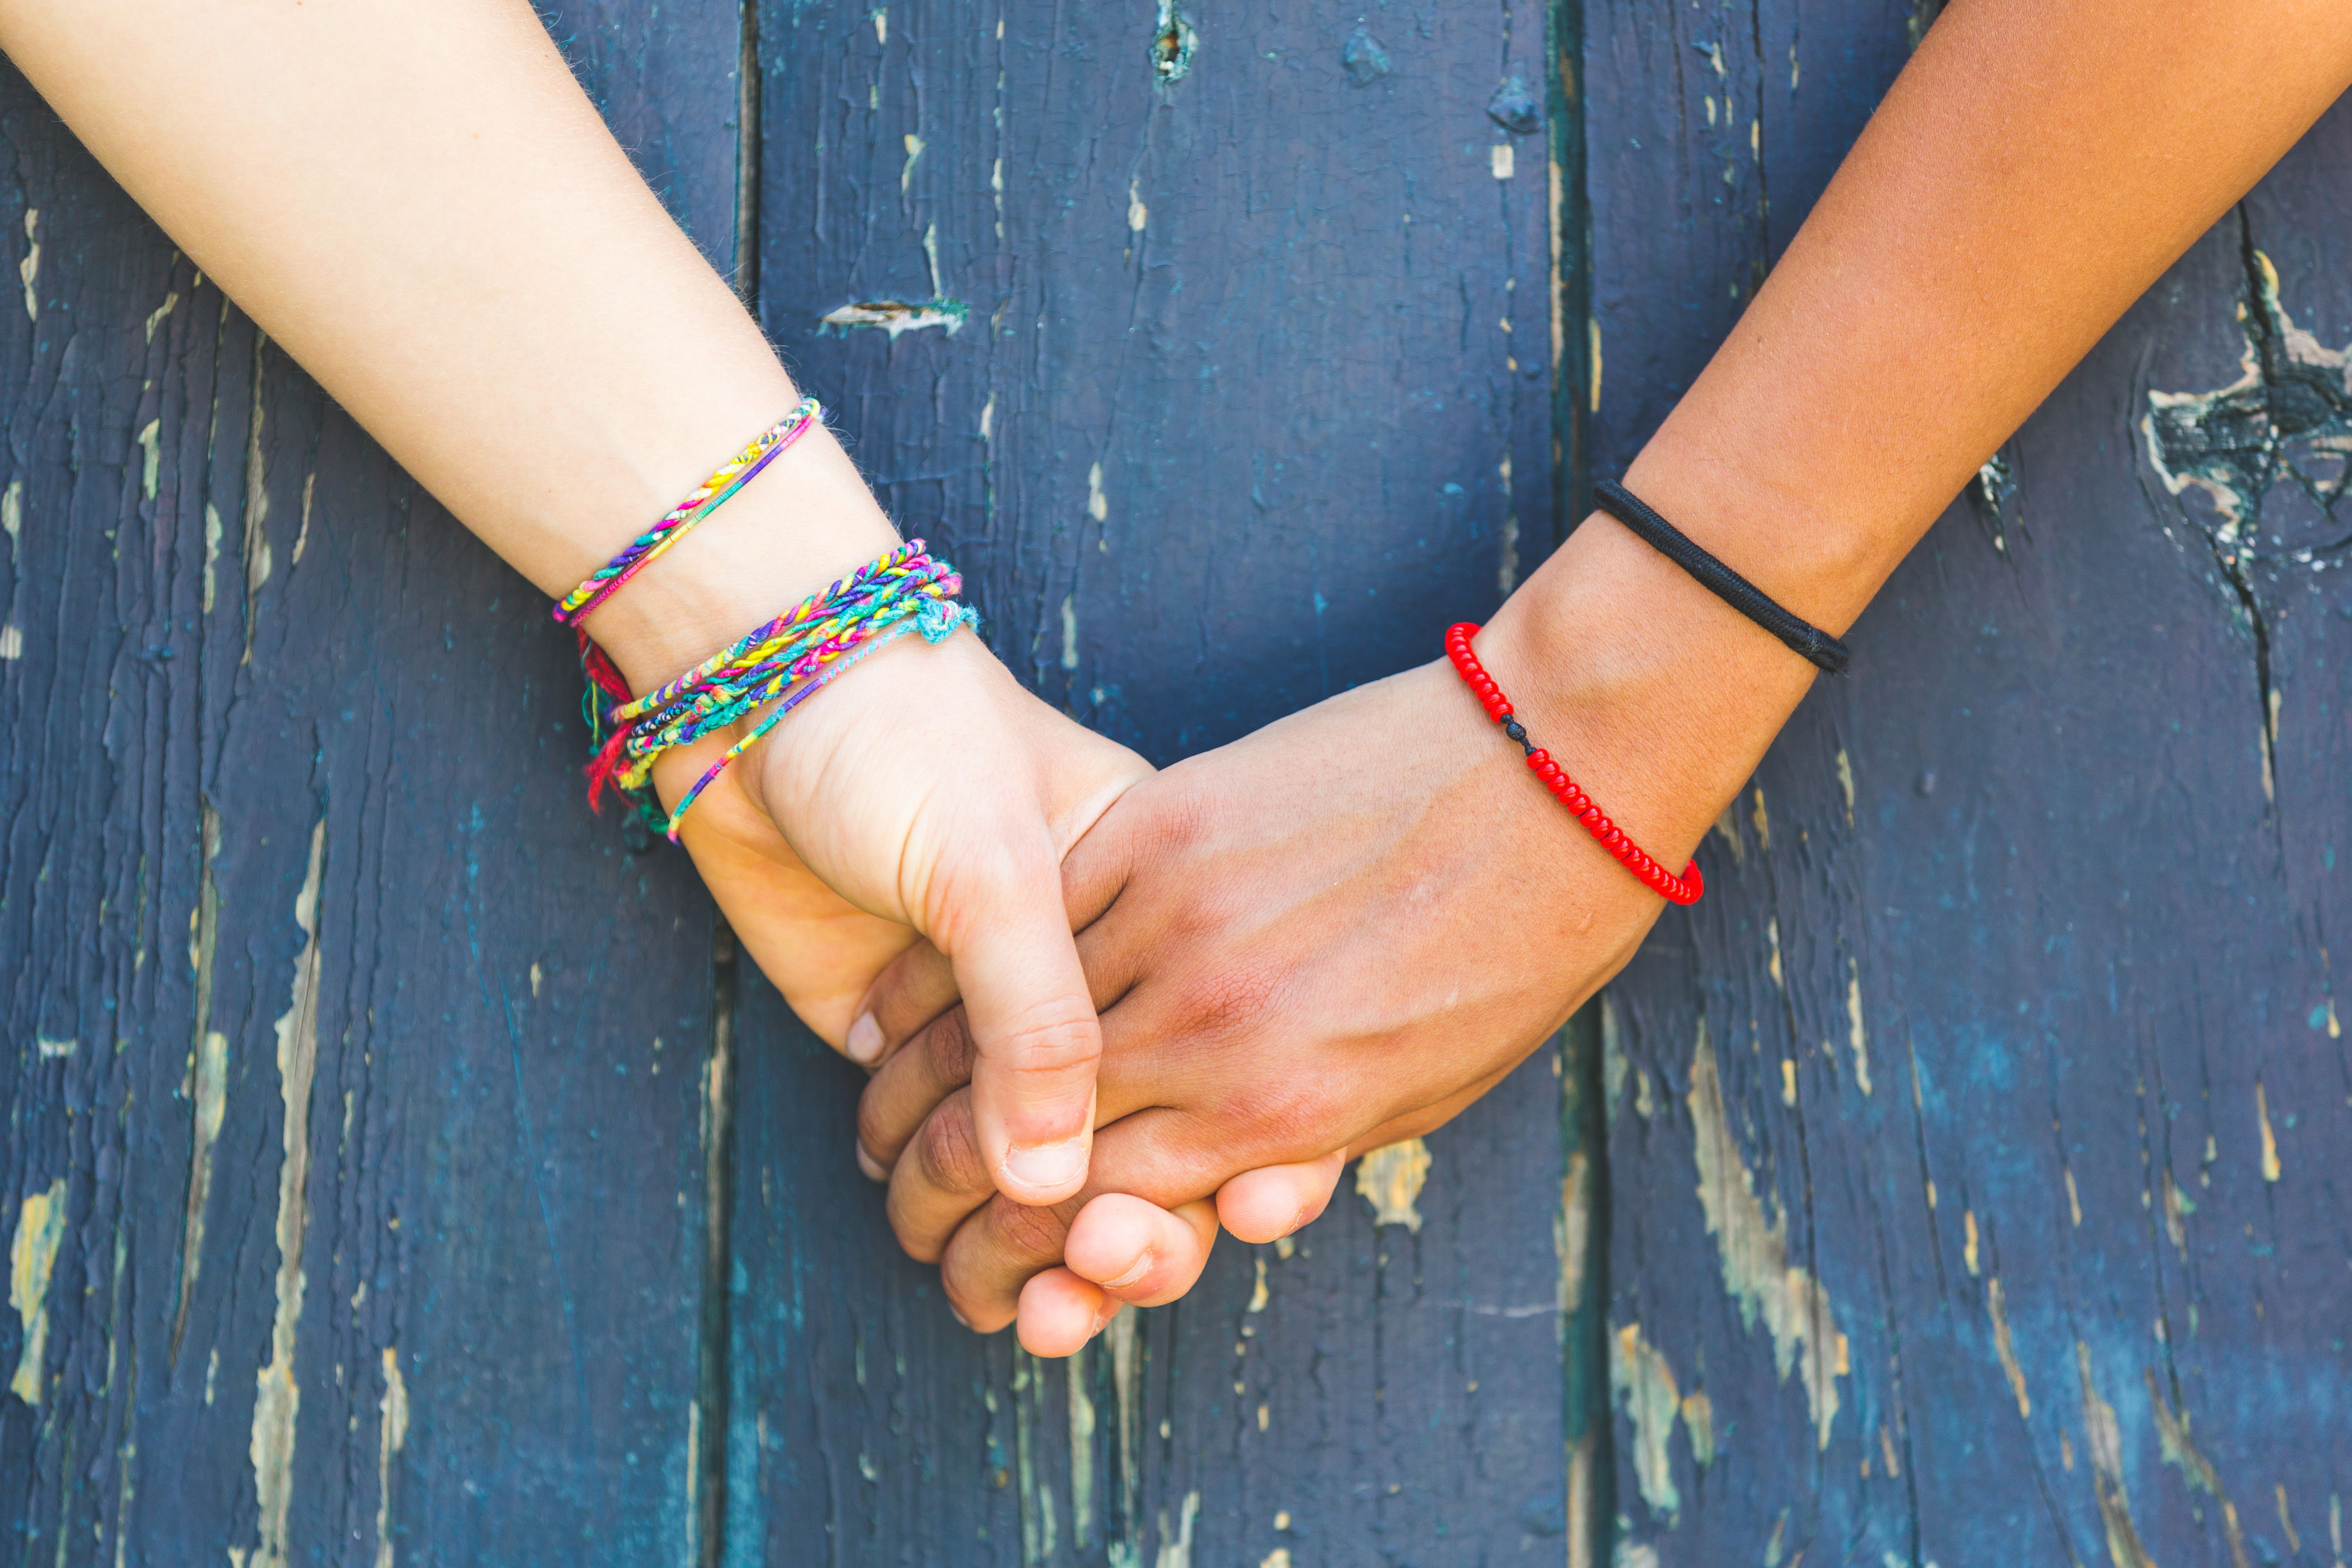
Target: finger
(911, 1083)
(942, 1177)
(919, 985)
(1035, 1041)
(1164, 1157)
(1136, 1251)
(1060, 1313)
(1270, 1203)
(915, 988)
(916, 1076)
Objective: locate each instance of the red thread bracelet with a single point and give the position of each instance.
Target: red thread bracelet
(1683, 889)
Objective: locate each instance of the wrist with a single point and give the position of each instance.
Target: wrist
(1657, 698)
(795, 529)
(1819, 547)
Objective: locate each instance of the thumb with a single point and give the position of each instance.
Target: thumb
(1035, 1040)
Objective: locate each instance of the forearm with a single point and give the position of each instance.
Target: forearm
(2035, 169)
(420, 205)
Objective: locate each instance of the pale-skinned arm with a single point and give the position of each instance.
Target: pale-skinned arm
(421, 206)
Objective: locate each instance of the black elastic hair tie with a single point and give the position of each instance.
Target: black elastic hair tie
(1810, 640)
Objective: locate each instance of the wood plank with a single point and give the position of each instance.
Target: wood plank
(1205, 383)
(1957, 1216)
(355, 1075)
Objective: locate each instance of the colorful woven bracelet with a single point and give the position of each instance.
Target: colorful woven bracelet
(784, 662)
(1683, 889)
(707, 498)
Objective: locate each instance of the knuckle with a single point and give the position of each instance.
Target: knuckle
(1029, 1237)
(948, 1149)
(983, 1313)
(1226, 999)
(914, 1240)
(876, 1129)
(1048, 1043)
(1288, 1121)
(949, 1045)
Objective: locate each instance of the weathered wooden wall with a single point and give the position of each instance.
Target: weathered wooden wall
(1971, 1192)
(1978, 1144)
(1228, 387)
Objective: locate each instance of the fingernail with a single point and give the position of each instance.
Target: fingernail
(1142, 1266)
(1046, 1167)
(960, 1320)
(1103, 1315)
(865, 1041)
(870, 1166)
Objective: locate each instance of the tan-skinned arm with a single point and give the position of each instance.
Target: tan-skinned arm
(2035, 168)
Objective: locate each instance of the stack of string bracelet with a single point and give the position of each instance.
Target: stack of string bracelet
(782, 663)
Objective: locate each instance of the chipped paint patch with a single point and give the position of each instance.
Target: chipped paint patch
(1082, 1451)
(1363, 60)
(256, 494)
(207, 1084)
(1097, 502)
(1727, 826)
(1126, 1388)
(2003, 1347)
(391, 1432)
(1502, 160)
(1069, 631)
(211, 1105)
(155, 318)
(1698, 1420)
(1855, 1035)
(12, 515)
(897, 316)
(1258, 1296)
(2181, 1453)
(2270, 1139)
(2104, 1439)
(2288, 419)
(1176, 1546)
(32, 1256)
(1641, 1380)
(1137, 215)
(1969, 1241)
(914, 145)
(1756, 1272)
(29, 268)
(51, 1051)
(1390, 1178)
(1172, 43)
(1572, 1231)
(276, 1396)
(212, 551)
(151, 444)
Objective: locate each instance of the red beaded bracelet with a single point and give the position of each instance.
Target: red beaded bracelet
(1683, 889)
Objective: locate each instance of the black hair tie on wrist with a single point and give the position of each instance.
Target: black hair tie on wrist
(1668, 541)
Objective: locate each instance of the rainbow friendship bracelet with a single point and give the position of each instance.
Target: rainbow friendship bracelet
(785, 662)
(708, 496)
